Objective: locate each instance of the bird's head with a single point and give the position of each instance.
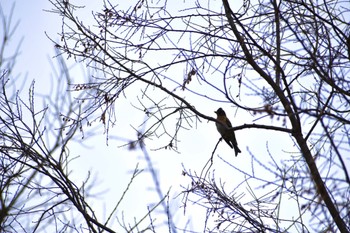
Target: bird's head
(220, 112)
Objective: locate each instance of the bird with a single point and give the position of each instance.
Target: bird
(225, 132)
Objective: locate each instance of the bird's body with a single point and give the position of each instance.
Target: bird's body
(225, 130)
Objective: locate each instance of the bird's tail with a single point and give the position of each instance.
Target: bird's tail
(237, 150)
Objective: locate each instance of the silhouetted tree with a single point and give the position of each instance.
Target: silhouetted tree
(37, 190)
(284, 59)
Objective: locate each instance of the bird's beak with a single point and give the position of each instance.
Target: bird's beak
(215, 111)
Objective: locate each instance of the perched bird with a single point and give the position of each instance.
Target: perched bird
(226, 134)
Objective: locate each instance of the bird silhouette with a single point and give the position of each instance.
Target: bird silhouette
(224, 129)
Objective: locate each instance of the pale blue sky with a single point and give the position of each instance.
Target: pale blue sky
(113, 164)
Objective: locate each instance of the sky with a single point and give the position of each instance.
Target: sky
(113, 164)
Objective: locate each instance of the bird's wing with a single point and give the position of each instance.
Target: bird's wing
(228, 123)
